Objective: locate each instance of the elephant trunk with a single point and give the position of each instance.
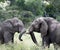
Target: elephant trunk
(22, 32)
(33, 38)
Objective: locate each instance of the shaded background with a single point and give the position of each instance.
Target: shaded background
(28, 10)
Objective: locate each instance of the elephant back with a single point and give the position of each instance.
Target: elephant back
(7, 26)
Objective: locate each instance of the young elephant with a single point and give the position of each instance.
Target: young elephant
(8, 29)
(49, 29)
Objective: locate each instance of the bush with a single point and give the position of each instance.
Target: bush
(27, 17)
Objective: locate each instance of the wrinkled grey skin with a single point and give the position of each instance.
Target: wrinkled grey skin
(49, 29)
(8, 29)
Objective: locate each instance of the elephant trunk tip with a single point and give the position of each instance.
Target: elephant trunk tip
(22, 32)
(20, 38)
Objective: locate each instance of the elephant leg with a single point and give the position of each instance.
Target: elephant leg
(12, 37)
(7, 37)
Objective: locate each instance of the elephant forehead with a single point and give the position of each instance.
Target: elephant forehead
(16, 20)
(6, 24)
(20, 23)
(40, 19)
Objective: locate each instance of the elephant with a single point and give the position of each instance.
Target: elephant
(49, 29)
(8, 29)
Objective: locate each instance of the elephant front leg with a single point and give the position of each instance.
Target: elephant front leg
(7, 37)
(12, 38)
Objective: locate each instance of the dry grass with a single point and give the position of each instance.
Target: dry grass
(26, 44)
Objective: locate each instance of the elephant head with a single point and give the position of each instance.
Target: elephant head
(18, 26)
(38, 25)
(8, 29)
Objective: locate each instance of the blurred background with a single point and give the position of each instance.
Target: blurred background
(27, 11)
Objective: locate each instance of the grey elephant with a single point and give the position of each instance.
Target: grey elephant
(49, 29)
(8, 29)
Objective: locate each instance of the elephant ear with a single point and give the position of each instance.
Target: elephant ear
(43, 28)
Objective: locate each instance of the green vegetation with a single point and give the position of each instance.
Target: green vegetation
(28, 10)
